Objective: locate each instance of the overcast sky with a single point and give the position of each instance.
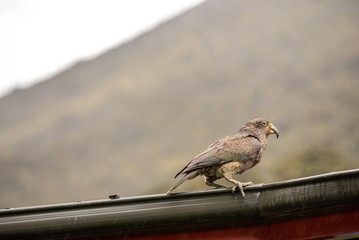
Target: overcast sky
(39, 38)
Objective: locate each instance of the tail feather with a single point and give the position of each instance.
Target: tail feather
(181, 180)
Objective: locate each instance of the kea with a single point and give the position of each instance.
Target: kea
(230, 156)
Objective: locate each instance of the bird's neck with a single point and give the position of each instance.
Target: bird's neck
(262, 137)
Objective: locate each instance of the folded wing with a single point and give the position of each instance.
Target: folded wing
(238, 147)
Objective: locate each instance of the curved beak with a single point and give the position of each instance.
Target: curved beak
(273, 130)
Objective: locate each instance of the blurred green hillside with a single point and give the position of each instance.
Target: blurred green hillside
(126, 122)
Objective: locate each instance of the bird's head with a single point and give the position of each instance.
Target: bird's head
(263, 126)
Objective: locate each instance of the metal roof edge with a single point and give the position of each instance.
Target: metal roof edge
(264, 204)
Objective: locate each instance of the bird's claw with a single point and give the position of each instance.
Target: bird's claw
(240, 186)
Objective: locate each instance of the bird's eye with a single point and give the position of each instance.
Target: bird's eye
(264, 124)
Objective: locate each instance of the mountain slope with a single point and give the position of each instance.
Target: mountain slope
(126, 121)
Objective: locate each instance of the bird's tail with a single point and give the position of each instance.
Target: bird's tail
(181, 180)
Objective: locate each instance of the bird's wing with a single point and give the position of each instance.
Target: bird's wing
(236, 148)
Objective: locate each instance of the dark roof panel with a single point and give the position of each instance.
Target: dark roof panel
(188, 211)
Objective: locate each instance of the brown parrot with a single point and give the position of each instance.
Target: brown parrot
(230, 155)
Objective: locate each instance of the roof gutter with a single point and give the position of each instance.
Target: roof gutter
(187, 211)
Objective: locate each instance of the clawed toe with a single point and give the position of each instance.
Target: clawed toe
(240, 189)
(241, 186)
(247, 184)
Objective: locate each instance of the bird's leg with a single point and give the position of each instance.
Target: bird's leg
(237, 184)
(210, 182)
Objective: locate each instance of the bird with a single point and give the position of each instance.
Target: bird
(230, 156)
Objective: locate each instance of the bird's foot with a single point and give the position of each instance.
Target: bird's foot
(212, 184)
(241, 186)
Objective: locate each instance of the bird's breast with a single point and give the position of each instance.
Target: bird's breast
(234, 168)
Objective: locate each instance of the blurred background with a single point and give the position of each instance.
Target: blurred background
(130, 114)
